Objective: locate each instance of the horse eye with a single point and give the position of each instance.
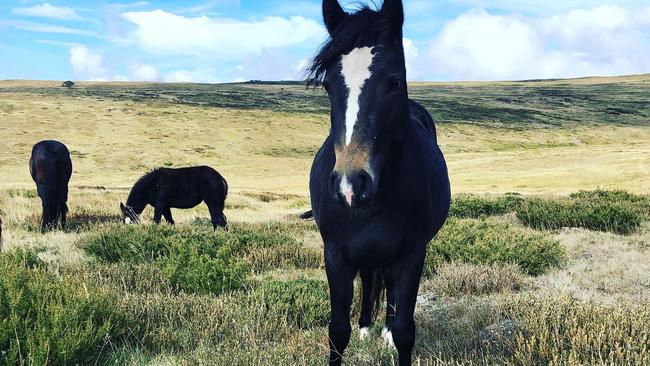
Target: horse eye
(395, 84)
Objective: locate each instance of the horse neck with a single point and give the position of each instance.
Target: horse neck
(138, 197)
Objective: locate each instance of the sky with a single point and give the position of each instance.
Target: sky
(212, 41)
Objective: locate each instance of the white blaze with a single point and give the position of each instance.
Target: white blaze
(346, 189)
(356, 71)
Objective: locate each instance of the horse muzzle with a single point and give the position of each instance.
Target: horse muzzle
(352, 189)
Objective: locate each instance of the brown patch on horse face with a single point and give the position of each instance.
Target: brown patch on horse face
(353, 157)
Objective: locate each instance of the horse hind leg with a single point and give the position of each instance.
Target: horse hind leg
(216, 215)
(365, 320)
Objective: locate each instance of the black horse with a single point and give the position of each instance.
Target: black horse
(183, 188)
(51, 169)
(379, 185)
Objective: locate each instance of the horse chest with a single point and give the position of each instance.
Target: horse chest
(373, 243)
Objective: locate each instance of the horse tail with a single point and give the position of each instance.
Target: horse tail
(48, 190)
(224, 187)
(309, 215)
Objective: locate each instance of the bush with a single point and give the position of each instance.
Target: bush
(305, 302)
(483, 242)
(193, 259)
(475, 206)
(600, 215)
(44, 320)
(639, 203)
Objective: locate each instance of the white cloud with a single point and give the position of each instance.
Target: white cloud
(195, 76)
(141, 72)
(47, 10)
(44, 28)
(270, 64)
(165, 33)
(605, 40)
(87, 65)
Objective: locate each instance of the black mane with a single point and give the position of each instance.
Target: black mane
(361, 29)
(142, 183)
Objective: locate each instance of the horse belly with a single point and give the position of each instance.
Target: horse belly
(186, 203)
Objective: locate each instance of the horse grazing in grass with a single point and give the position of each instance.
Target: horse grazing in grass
(183, 188)
(51, 169)
(379, 184)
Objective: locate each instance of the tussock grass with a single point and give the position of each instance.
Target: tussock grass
(305, 302)
(485, 242)
(463, 279)
(568, 332)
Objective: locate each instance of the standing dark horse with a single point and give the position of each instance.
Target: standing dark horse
(379, 185)
(51, 169)
(184, 188)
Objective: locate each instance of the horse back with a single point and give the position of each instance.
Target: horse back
(422, 116)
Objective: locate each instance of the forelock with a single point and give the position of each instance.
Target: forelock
(358, 30)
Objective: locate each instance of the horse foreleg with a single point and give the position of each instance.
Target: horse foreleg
(407, 273)
(157, 214)
(340, 278)
(167, 213)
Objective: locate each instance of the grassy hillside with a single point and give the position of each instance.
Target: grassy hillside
(551, 136)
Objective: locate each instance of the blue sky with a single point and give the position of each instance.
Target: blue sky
(234, 40)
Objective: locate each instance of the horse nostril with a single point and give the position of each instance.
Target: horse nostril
(333, 183)
(365, 186)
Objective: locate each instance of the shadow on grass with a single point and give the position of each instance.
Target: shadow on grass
(76, 222)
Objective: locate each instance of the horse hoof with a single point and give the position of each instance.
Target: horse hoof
(387, 335)
(364, 333)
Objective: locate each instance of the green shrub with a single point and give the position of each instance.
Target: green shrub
(600, 215)
(305, 302)
(640, 203)
(45, 320)
(194, 259)
(483, 242)
(475, 206)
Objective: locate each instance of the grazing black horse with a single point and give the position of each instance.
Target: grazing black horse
(51, 169)
(379, 185)
(183, 188)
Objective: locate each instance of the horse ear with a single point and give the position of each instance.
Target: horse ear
(393, 13)
(333, 15)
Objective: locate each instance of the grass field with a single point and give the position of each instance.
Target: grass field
(540, 277)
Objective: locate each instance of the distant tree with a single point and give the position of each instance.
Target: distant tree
(68, 84)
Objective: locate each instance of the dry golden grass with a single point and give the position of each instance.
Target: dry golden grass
(114, 142)
(602, 267)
